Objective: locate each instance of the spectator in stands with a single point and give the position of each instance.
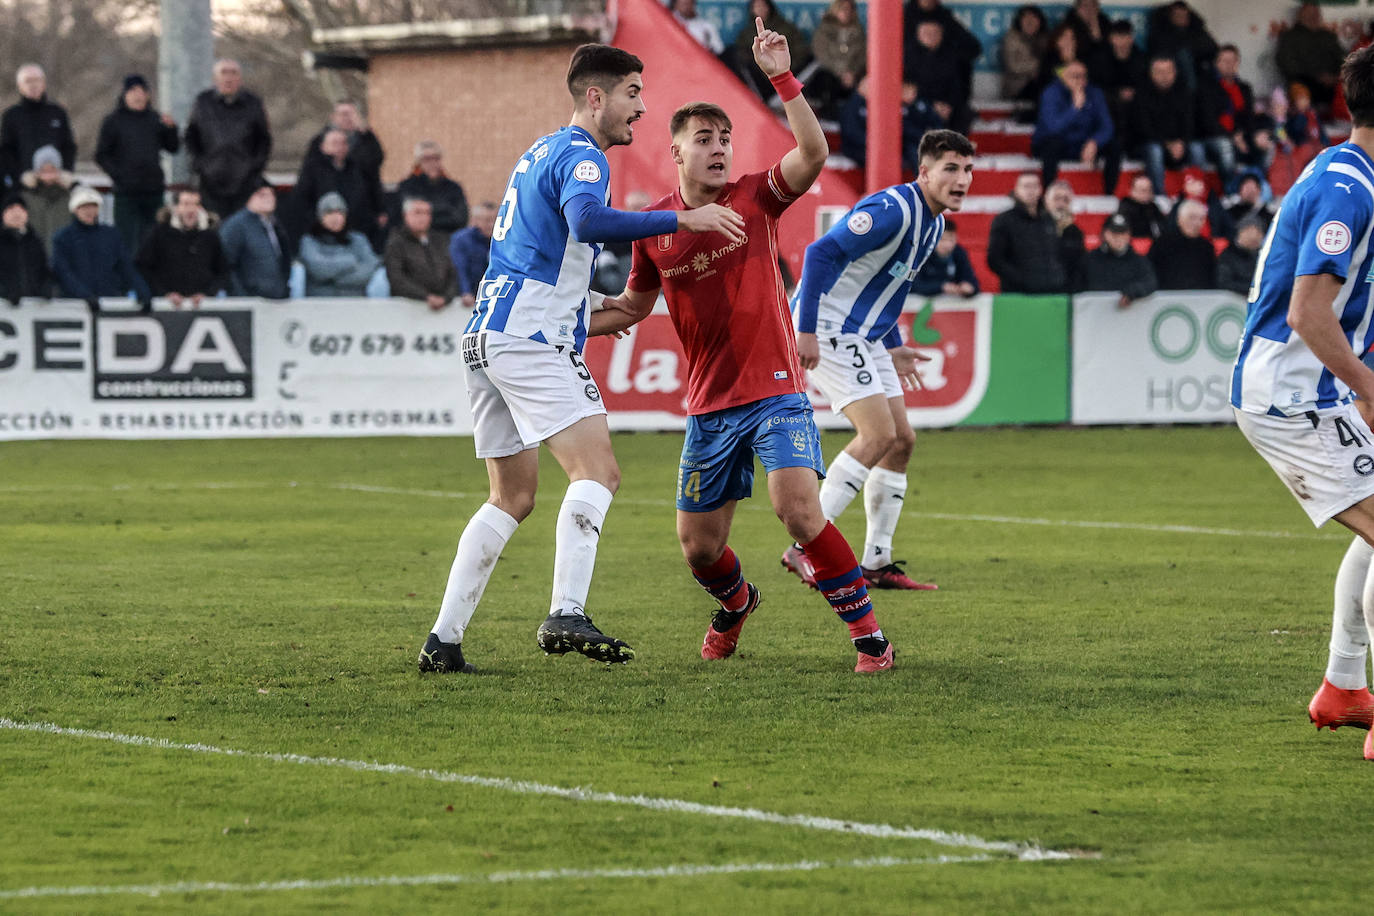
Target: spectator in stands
(1309, 53)
(966, 48)
(1059, 205)
(948, 271)
(1074, 123)
(841, 50)
(1302, 129)
(1218, 224)
(338, 261)
(1124, 70)
(181, 256)
(23, 262)
(417, 261)
(470, 249)
(1141, 210)
(613, 264)
(132, 139)
(1236, 265)
(31, 124)
(1164, 121)
(1023, 52)
(1183, 259)
(1252, 142)
(229, 141)
(698, 26)
(1090, 28)
(256, 247)
(1024, 244)
(89, 260)
(428, 182)
(363, 146)
(1115, 266)
(1249, 202)
(332, 169)
(1061, 51)
(917, 117)
(1179, 33)
(47, 189)
(740, 56)
(933, 64)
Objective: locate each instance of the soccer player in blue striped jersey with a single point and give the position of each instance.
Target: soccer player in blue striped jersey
(526, 380)
(1300, 392)
(854, 283)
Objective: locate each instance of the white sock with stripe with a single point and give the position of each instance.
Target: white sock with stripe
(844, 479)
(884, 496)
(576, 535)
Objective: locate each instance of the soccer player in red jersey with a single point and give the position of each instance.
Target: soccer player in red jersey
(745, 389)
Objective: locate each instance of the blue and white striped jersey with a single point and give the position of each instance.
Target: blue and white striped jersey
(856, 277)
(538, 274)
(1323, 227)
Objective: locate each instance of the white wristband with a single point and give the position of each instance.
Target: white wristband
(595, 301)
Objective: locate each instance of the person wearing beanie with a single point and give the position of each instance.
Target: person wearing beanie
(338, 261)
(89, 260)
(256, 246)
(132, 139)
(1236, 265)
(229, 140)
(23, 262)
(33, 122)
(181, 257)
(46, 189)
(1115, 266)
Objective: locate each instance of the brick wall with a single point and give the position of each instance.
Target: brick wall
(484, 107)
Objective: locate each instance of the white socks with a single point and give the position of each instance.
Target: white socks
(579, 528)
(1352, 619)
(479, 548)
(884, 496)
(843, 480)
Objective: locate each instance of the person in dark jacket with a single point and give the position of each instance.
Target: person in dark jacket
(1177, 32)
(23, 262)
(1165, 121)
(965, 46)
(932, 62)
(417, 261)
(1075, 123)
(1141, 209)
(1124, 71)
(948, 271)
(332, 169)
(470, 250)
(229, 140)
(918, 116)
(429, 182)
(1116, 267)
(181, 257)
(1252, 140)
(1249, 202)
(1236, 265)
(1058, 203)
(1183, 259)
(132, 139)
(1024, 245)
(32, 123)
(256, 247)
(363, 146)
(1308, 52)
(89, 260)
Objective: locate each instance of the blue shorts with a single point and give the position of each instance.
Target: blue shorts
(718, 455)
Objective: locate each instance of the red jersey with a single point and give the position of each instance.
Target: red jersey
(727, 300)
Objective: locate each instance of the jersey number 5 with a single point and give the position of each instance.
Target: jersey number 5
(505, 217)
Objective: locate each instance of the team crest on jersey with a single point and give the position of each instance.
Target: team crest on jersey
(859, 223)
(1333, 237)
(665, 242)
(588, 171)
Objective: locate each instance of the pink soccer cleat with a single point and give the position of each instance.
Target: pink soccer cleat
(1333, 706)
(869, 664)
(892, 576)
(718, 644)
(795, 561)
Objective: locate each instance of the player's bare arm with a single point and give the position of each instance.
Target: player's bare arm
(802, 165)
(1310, 315)
(620, 312)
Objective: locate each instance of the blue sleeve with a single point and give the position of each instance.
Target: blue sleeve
(1332, 219)
(591, 221)
(581, 170)
(870, 225)
(893, 338)
(1056, 114)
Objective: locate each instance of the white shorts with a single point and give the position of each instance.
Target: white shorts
(523, 391)
(1325, 457)
(852, 368)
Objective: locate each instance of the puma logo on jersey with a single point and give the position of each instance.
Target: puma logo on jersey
(1349, 188)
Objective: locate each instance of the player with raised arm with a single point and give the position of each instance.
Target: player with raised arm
(526, 382)
(744, 387)
(854, 283)
(1300, 393)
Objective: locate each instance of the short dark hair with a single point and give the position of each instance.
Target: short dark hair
(1228, 47)
(1121, 27)
(707, 111)
(600, 65)
(936, 143)
(1357, 79)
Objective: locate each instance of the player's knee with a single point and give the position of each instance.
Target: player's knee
(902, 445)
(802, 520)
(699, 551)
(517, 505)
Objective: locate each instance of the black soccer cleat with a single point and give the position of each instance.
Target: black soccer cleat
(559, 635)
(443, 657)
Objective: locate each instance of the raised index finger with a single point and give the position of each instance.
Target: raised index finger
(758, 24)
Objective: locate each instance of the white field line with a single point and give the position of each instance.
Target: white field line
(500, 877)
(1023, 851)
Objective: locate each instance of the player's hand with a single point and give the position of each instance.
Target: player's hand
(469, 300)
(713, 218)
(808, 351)
(770, 51)
(907, 363)
(435, 302)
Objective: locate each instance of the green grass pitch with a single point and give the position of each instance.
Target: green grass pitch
(1117, 664)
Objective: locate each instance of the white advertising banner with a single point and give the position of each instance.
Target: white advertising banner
(232, 368)
(1165, 359)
